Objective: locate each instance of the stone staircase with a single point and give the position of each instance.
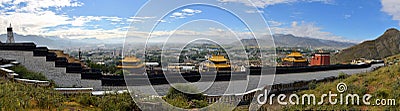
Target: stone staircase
(61, 69)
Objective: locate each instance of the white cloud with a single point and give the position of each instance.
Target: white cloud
(265, 3)
(138, 19)
(347, 16)
(177, 14)
(162, 21)
(187, 10)
(254, 11)
(35, 6)
(32, 24)
(82, 20)
(274, 23)
(43, 17)
(34, 16)
(114, 19)
(391, 7)
(304, 29)
(40, 23)
(78, 33)
(184, 13)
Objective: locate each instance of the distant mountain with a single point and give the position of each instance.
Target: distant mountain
(280, 41)
(61, 43)
(293, 41)
(289, 40)
(51, 42)
(385, 45)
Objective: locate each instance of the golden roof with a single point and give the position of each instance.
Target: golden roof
(218, 58)
(295, 54)
(294, 60)
(295, 57)
(219, 65)
(130, 66)
(130, 59)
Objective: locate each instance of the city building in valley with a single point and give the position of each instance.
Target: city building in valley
(131, 64)
(319, 59)
(294, 59)
(219, 63)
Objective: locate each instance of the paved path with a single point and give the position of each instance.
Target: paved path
(235, 87)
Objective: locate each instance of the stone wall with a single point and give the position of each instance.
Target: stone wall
(57, 74)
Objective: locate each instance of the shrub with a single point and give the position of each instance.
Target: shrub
(342, 75)
(382, 93)
(87, 100)
(119, 102)
(312, 85)
(184, 100)
(178, 101)
(16, 96)
(198, 104)
(27, 74)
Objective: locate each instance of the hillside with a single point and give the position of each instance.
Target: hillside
(289, 40)
(382, 83)
(385, 45)
(293, 41)
(22, 97)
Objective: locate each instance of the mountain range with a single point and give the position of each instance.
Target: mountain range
(280, 41)
(387, 44)
(61, 43)
(288, 40)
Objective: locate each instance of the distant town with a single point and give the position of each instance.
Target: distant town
(107, 59)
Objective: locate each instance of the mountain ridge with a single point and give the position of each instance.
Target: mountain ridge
(56, 42)
(385, 45)
(281, 40)
(289, 40)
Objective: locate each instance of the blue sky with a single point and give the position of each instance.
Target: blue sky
(341, 20)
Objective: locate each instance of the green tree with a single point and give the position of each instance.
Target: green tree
(185, 100)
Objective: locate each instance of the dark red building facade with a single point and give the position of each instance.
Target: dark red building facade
(319, 59)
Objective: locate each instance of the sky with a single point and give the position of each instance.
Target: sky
(340, 20)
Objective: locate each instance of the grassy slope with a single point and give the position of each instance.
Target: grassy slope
(385, 45)
(383, 83)
(16, 96)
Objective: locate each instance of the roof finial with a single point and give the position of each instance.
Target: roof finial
(10, 24)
